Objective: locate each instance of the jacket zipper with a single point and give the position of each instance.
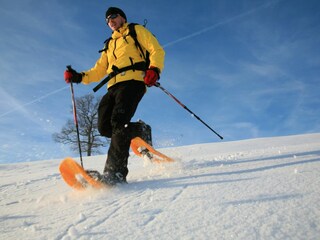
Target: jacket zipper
(115, 45)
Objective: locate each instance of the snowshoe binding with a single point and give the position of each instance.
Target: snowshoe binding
(146, 154)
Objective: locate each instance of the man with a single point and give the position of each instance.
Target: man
(125, 89)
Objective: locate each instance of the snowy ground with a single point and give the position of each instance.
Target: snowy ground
(253, 189)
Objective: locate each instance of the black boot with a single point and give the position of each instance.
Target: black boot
(142, 130)
(111, 179)
(94, 174)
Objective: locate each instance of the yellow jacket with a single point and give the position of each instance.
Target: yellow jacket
(122, 52)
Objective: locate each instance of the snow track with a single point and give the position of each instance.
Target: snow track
(252, 189)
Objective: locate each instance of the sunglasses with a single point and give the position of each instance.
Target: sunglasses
(112, 16)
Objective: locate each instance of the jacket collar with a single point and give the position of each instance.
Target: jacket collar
(120, 32)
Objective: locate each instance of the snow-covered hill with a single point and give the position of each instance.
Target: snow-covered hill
(253, 189)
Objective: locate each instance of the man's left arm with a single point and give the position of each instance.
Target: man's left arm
(151, 44)
(156, 55)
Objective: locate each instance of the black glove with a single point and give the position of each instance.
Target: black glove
(71, 75)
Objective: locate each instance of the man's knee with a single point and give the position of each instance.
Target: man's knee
(105, 131)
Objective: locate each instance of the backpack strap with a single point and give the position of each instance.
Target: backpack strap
(133, 34)
(137, 66)
(106, 45)
(142, 66)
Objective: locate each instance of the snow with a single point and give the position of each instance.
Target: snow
(251, 189)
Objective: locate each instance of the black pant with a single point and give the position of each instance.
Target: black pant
(115, 111)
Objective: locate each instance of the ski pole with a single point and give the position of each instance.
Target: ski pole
(75, 117)
(186, 108)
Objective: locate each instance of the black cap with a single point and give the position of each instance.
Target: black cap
(115, 10)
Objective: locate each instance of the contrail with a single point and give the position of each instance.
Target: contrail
(164, 46)
(220, 23)
(36, 100)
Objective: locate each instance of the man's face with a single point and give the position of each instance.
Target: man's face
(115, 21)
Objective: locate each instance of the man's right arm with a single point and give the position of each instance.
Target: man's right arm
(99, 70)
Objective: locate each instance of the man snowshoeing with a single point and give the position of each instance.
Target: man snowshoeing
(131, 73)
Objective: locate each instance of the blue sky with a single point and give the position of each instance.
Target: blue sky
(249, 68)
